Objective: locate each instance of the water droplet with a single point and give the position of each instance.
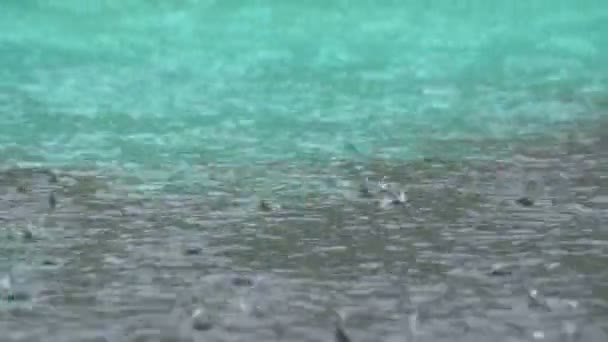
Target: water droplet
(52, 201)
(201, 320)
(536, 300)
(525, 201)
(263, 205)
(242, 281)
(27, 234)
(340, 335)
(192, 251)
(569, 328)
(538, 335)
(500, 271)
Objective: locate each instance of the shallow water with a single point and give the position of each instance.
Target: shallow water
(460, 261)
(206, 163)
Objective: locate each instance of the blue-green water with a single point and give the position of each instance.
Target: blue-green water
(151, 83)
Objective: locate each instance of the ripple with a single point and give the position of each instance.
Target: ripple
(144, 198)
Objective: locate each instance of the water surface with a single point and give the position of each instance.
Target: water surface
(206, 161)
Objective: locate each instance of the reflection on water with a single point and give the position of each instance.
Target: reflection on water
(301, 253)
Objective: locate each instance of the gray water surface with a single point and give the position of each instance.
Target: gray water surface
(461, 260)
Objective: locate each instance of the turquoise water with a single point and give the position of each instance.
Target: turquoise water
(149, 84)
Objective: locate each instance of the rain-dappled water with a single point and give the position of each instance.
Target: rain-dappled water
(460, 260)
(314, 171)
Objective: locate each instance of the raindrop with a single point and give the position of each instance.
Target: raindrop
(500, 271)
(534, 188)
(27, 234)
(192, 251)
(264, 205)
(279, 330)
(535, 300)
(560, 192)
(201, 321)
(525, 202)
(364, 189)
(340, 335)
(538, 335)
(242, 281)
(339, 332)
(52, 201)
(52, 177)
(569, 329)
